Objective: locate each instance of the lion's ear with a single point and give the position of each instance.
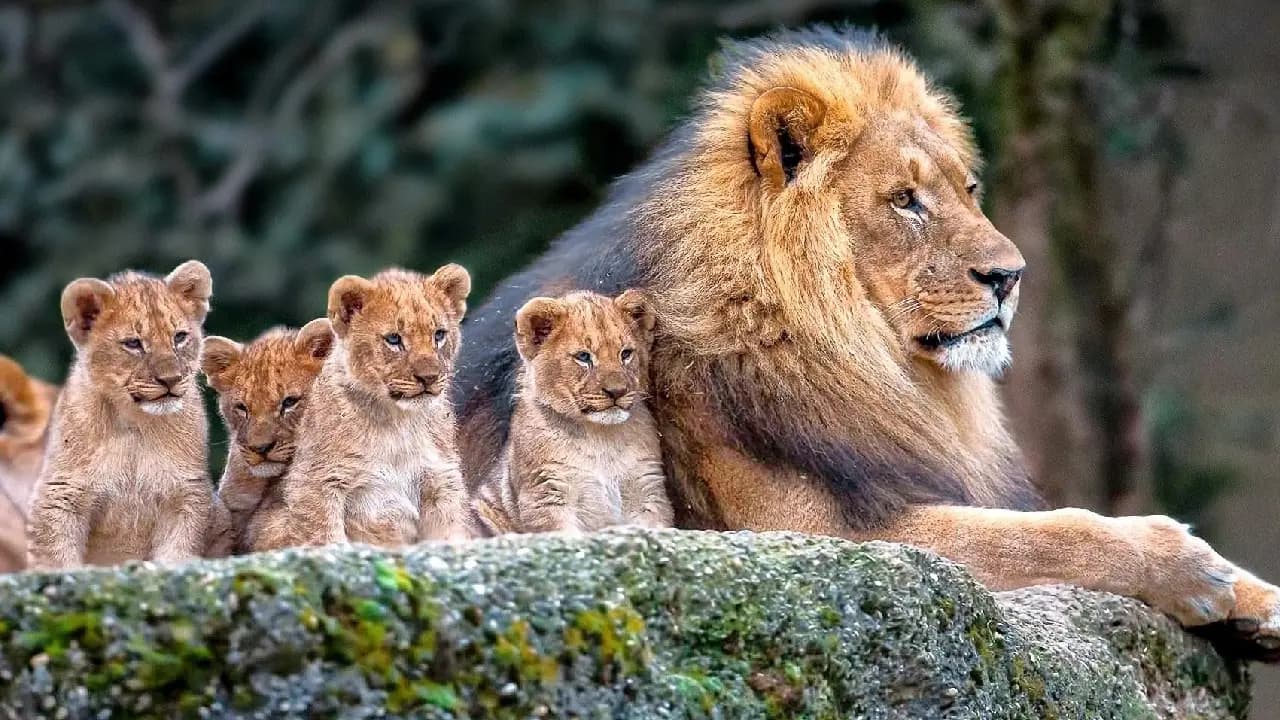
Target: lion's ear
(455, 281)
(315, 340)
(536, 322)
(347, 297)
(218, 358)
(781, 130)
(82, 303)
(193, 285)
(639, 311)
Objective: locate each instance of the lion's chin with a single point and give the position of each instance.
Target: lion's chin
(987, 353)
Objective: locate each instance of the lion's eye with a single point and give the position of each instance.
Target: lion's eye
(904, 199)
(132, 344)
(626, 354)
(242, 410)
(180, 338)
(971, 188)
(394, 340)
(288, 402)
(583, 358)
(441, 336)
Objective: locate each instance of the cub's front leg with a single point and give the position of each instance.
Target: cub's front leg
(317, 511)
(182, 521)
(59, 522)
(544, 503)
(645, 501)
(442, 505)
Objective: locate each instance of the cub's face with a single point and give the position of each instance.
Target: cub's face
(262, 390)
(398, 331)
(139, 336)
(586, 356)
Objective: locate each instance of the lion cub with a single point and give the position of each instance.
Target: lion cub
(377, 460)
(125, 477)
(262, 393)
(25, 406)
(583, 450)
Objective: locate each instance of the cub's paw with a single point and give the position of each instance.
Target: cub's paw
(1180, 574)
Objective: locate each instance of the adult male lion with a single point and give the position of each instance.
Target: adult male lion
(832, 307)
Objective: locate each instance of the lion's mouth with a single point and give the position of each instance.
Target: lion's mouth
(939, 340)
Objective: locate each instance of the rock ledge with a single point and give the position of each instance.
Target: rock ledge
(625, 624)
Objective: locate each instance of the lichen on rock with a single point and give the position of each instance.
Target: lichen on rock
(625, 624)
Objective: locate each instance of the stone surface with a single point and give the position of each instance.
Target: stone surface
(625, 624)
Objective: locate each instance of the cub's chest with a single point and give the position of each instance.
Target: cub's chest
(608, 462)
(128, 463)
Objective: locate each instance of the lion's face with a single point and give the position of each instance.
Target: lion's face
(263, 388)
(587, 356)
(400, 330)
(139, 336)
(944, 278)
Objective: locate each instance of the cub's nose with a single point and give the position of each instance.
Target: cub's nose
(169, 379)
(264, 448)
(1002, 281)
(614, 391)
(427, 380)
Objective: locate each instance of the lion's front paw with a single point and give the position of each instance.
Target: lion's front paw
(1182, 575)
(1253, 628)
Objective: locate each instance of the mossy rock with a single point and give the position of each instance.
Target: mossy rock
(624, 624)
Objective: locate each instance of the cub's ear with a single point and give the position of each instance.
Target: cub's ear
(536, 321)
(637, 307)
(315, 340)
(347, 297)
(218, 359)
(193, 284)
(82, 303)
(455, 281)
(781, 130)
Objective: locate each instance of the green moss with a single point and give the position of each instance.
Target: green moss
(619, 625)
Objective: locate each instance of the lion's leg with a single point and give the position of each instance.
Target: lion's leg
(1153, 558)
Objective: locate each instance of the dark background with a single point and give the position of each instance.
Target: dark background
(1133, 153)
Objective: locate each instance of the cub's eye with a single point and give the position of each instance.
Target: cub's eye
(904, 199)
(583, 358)
(288, 402)
(132, 344)
(441, 336)
(626, 354)
(971, 188)
(242, 410)
(179, 338)
(394, 340)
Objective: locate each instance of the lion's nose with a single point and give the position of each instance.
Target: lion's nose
(1001, 280)
(427, 380)
(614, 391)
(264, 448)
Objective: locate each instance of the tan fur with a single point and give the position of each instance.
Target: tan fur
(377, 457)
(27, 404)
(125, 477)
(562, 469)
(830, 299)
(262, 396)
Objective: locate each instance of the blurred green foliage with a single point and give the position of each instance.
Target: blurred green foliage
(290, 142)
(286, 143)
